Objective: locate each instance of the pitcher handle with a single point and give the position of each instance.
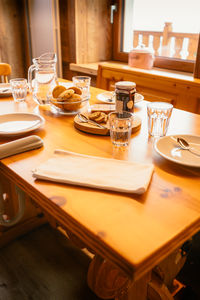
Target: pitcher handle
(30, 77)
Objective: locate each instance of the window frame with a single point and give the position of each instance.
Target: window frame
(160, 61)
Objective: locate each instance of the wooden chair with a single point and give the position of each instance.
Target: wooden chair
(5, 71)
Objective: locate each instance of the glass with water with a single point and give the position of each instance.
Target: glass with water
(19, 89)
(83, 83)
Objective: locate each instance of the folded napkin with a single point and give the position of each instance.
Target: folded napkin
(20, 145)
(102, 173)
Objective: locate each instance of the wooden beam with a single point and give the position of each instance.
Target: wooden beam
(197, 65)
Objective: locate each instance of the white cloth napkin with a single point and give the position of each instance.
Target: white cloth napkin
(20, 145)
(96, 172)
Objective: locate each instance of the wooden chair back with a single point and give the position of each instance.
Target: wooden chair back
(154, 87)
(108, 74)
(99, 82)
(5, 71)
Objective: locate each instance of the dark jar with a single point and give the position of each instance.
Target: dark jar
(125, 96)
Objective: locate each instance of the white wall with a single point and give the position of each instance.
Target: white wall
(44, 25)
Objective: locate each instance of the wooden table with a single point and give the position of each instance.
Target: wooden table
(129, 234)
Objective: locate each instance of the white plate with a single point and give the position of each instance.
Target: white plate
(108, 97)
(168, 148)
(5, 90)
(19, 123)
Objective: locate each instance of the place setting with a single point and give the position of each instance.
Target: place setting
(15, 125)
(108, 97)
(183, 149)
(18, 124)
(5, 90)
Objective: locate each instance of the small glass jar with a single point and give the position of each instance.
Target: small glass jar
(141, 57)
(125, 96)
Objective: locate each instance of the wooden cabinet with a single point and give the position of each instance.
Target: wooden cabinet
(183, 91)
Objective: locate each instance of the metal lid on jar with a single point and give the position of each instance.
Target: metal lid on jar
(125, 85)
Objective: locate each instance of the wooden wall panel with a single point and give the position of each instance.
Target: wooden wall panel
(197, 65)
(13, 36)
(182, 93)
(86, 32)
(93, 31)
(67, 30)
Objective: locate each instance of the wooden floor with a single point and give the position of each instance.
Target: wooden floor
(43, 265)
(38, 266)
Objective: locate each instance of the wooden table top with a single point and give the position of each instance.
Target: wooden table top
(134, 231)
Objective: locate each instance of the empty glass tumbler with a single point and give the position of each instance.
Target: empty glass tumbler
(159, 114)
(19, 89)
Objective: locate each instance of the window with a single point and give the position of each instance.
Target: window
(170, 28)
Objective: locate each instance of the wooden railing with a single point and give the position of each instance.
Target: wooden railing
(168, 43)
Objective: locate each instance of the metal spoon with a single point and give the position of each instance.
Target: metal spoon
(4, 91)
(110, 100)
(186, 146)
(84, 119)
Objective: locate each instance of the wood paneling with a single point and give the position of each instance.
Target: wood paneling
(67, 30)
(182, 93)
(197, 65)
(93, 31)
(13, 36)
(85, 32)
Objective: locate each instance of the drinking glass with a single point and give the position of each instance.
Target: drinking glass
(159, 114)
(19, 89)
(120, 126)
(83, 83)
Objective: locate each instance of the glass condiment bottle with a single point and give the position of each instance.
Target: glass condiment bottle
(125, 96)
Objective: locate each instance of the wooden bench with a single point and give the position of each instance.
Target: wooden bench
(183, 91)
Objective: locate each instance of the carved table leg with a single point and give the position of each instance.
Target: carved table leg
(108, 281)
(105, 279)
(138, 290)
(157, 290)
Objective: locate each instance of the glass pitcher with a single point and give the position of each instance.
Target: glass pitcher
(45, 77)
